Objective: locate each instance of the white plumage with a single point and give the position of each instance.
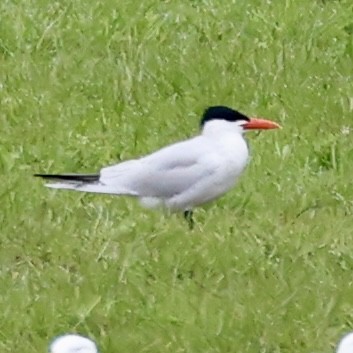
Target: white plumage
(180, 176)
(346, 344)
(72, 344)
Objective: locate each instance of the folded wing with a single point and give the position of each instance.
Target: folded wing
(163, 174)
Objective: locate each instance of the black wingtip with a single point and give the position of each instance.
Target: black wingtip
(87, 178)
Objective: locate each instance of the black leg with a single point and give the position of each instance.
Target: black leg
(188, 217)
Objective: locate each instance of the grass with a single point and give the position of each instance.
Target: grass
(268, 267)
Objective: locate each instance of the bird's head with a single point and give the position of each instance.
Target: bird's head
(227, 119)
(72, 344)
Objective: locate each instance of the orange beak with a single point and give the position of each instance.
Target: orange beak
(260, 124)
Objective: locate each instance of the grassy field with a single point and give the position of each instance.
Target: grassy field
(269, 267)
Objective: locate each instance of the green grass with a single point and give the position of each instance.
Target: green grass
(84, 84)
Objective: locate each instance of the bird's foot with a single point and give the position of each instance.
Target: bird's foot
(188, 215)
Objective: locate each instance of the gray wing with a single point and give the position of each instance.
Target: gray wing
(166, 183)
(165, 173)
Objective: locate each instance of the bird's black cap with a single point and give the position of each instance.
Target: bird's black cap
(221, 113)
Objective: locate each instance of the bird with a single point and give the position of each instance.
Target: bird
(346, 344)
(72, 343)
(182, 175)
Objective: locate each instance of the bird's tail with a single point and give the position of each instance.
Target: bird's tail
(83, 182)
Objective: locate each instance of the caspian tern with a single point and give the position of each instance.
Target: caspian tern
(72, 344)
(180, 176)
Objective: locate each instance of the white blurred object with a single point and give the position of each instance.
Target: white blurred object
(346, 344)
(72, 344)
